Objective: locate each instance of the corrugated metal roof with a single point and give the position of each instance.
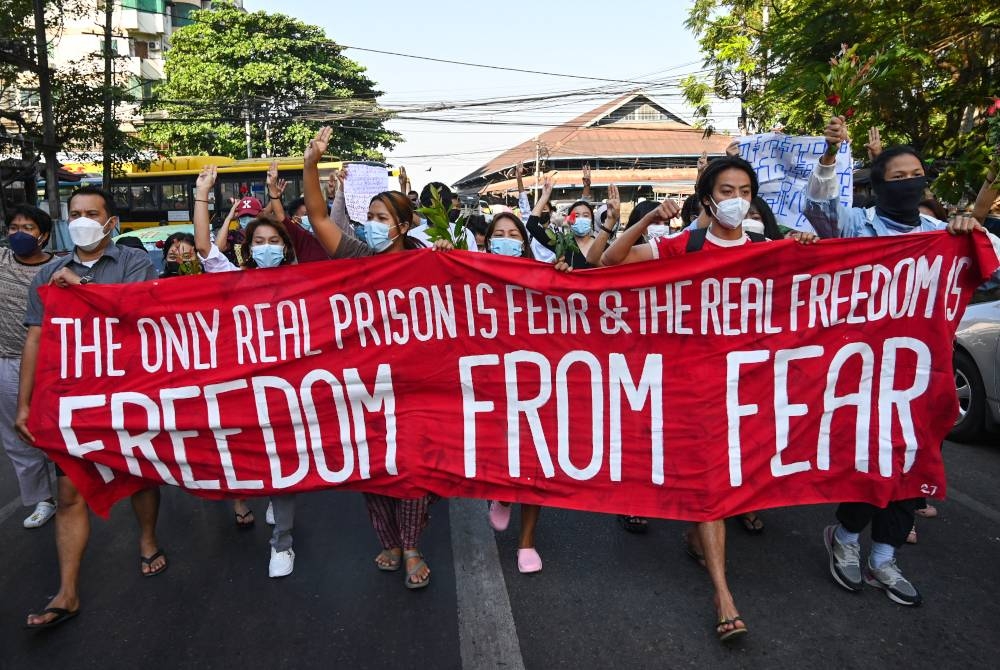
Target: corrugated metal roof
(582, 139)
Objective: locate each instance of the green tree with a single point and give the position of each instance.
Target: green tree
(282, 73)
(942, 69)
(77, 88)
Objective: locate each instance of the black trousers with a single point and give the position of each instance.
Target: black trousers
(890, 525)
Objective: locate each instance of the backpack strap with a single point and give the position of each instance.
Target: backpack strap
(696, 240)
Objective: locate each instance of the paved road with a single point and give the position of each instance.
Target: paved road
(606, 599)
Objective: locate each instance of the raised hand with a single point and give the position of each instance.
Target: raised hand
(404, 181)
(732, 150)
(317, 146)
(703, 160)
(614, 204)
(586, 174)
(331, 185)
(836, 131)
(272, 175)
(548, 183)
(874, 144)
(519, 170)
(206, 180)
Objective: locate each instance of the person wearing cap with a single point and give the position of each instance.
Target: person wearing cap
(247, 209)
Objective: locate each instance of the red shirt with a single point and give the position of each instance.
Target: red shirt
(676, 245)
(307, 247)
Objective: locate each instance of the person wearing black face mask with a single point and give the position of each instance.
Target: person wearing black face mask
(899, 181)
(28, 231)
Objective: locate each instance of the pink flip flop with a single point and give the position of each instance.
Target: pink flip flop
(528, 561)
(499, 516)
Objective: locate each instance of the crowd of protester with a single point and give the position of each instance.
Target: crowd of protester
(725, 212)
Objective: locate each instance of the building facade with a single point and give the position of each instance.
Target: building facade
(644, 148)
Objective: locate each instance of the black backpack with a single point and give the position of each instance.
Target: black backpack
(696, 239)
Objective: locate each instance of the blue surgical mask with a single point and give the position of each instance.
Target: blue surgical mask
(582, 226)
(506, 246)
(268, 255)
(245, 221)
(304, 222)
(377, 235)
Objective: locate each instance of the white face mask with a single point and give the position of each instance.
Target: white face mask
(87, 233)
(730, 213)
(655, 230)
(753, 226)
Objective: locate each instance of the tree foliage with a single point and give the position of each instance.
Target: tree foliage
(286, 75)
(942, 70)
(78, 91)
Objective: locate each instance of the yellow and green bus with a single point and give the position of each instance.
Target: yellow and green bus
(163, 192)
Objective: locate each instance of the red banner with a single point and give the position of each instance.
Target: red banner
(694, 388)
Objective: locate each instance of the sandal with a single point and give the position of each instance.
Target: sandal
(725, 635)
(242, 521)
(927, 512)
(692, 551)
(633, 524)
(61, 616)
(148, 562)
(410, 572)
(752, 523)
(391, 561)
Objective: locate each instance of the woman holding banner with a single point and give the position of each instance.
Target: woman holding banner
(397, 522)
(266, 244)
(507, 236)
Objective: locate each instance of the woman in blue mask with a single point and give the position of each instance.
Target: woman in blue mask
(579, 218)
(397, 522)
(266, 245)
(506, 236)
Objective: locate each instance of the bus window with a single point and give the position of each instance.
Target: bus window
(145, 196)
(175, 197)
(120, 194)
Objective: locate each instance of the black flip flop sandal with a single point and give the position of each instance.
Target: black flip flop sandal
(149, 562)
(633, 524)
(61, 616)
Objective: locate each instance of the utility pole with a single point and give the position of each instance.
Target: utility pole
(538, 158)
(247, 128)
(109, 8)
(48, 128)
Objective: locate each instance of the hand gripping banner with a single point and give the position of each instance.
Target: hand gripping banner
(695, 388)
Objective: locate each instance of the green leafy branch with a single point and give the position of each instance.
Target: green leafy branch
(438, 225)
(563, 241)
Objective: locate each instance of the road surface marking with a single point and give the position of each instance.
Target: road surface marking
(973, 504)
(487, 636)
(7, 510)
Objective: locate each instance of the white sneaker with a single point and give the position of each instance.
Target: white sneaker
(282, 563)
(43, 512)
(269, 514)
